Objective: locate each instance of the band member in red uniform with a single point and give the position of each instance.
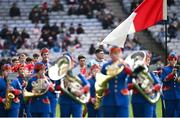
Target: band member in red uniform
(15, 64)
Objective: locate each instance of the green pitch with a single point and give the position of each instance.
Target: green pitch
(158, 110)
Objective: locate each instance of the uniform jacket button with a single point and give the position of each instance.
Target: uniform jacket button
(115, 90)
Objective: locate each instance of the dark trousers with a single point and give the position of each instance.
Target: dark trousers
(143, 109)
(67, 110)
(172, 108)
(115, 111)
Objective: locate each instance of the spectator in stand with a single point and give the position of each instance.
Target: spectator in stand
(24, 34)
(15, 32)
(66, 43)
(56, 6)
(44, 16)
(14, 11)
(174, 20)
(35, 14)
(70, 2)
(44, 7)
(80, 10)
(170, 3)
(54, 31)
(6, 32)
(36, 32)
(63, 28)
(71, 29)
(161, 36)
(72, 10)
(46, 27)
(80, 29)
(1, 44)
(44, 39)
(92, 49)
(172, 31)
(105, 22)
(77, 43)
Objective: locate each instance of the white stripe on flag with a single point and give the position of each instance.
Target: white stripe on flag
(118, 36)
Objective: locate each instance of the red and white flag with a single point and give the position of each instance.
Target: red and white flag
(147, 14)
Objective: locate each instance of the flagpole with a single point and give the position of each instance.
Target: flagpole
(166, 36)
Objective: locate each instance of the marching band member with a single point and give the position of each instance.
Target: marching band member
(68, 105)
(24, 105)
(142, 107)
(22, 58)
(30, 64)
(52, 95)
(82, 65)
(92, 112)
(36, 57)
(171, 84)
(40, 105)
(15, 64)
(45, 57)
(99, 60)
(9, 107)
(115, 102)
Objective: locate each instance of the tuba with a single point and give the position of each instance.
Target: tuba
(9, 95)
(102, 80)
(143, 82)
(62, 71)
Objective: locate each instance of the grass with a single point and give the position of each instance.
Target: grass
(158, 110)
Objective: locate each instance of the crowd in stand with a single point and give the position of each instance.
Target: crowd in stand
(54, 37)
(58, 37)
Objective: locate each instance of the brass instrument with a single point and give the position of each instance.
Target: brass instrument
(39, 87)
(102, 80)
(175, 71)
(62, 70)
(9, 95)
(144, 81)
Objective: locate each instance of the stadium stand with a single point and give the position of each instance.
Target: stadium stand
(95, 28)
